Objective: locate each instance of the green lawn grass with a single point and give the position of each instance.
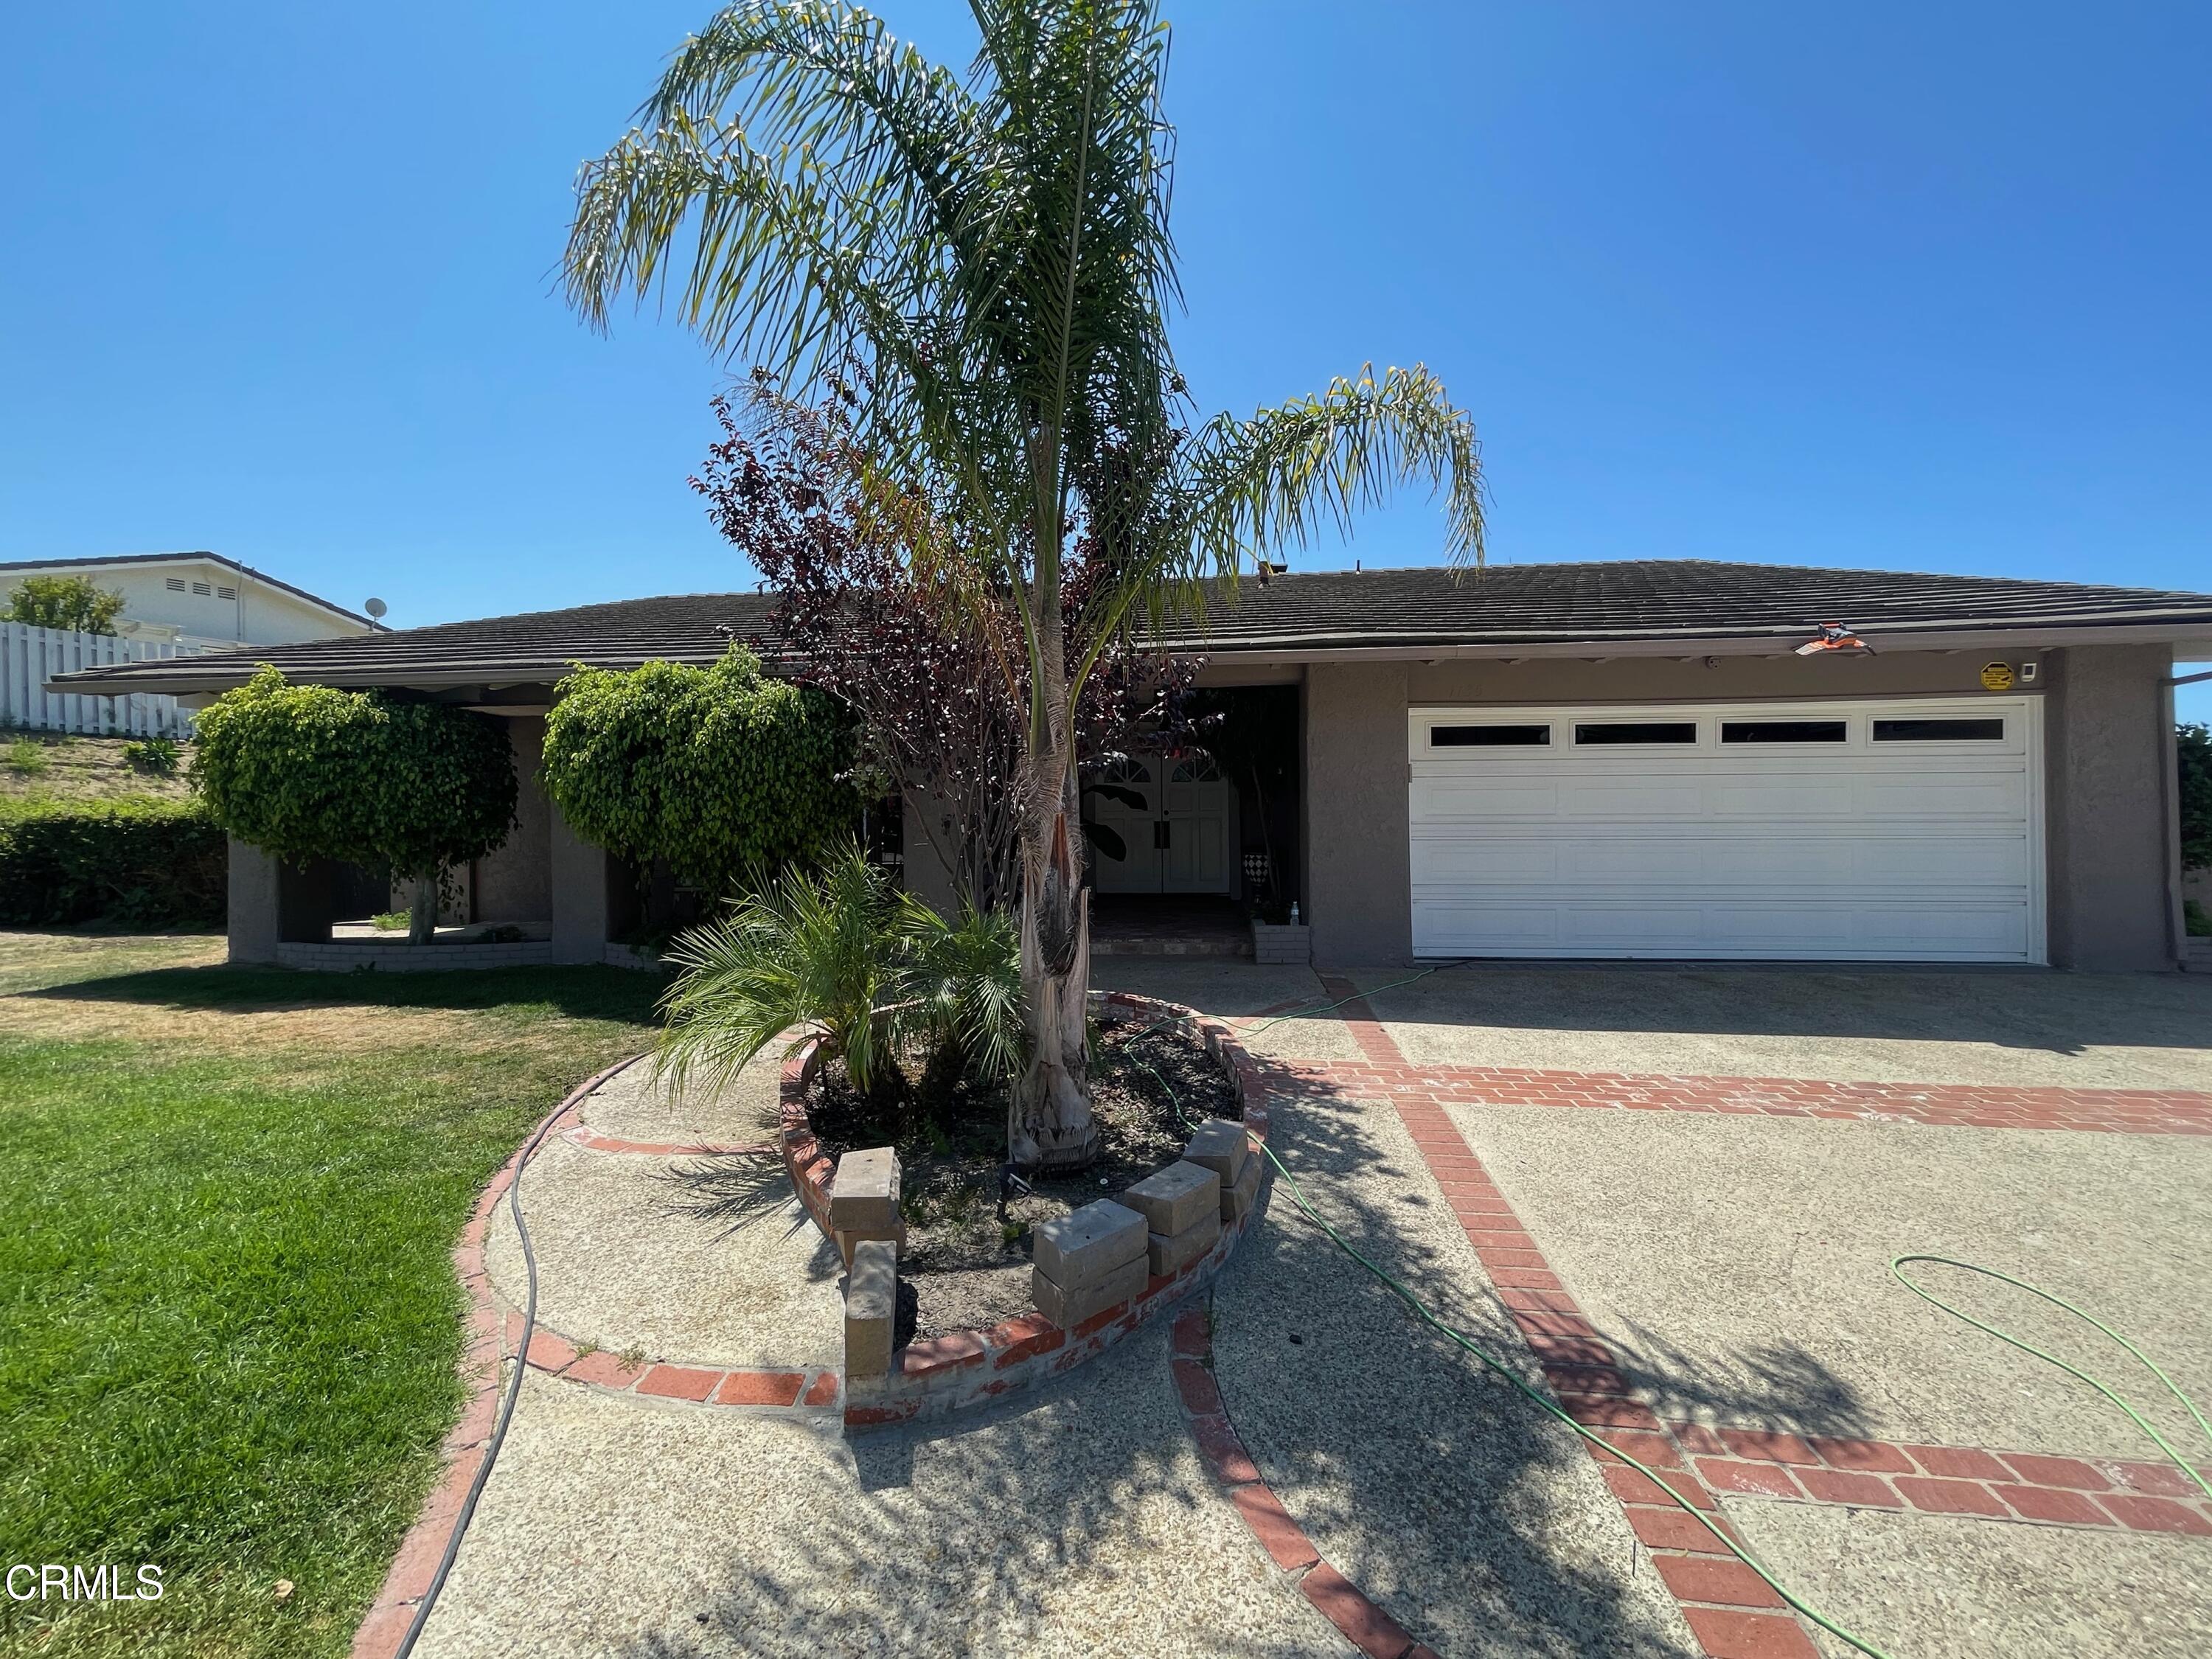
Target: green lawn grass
(228, 1323)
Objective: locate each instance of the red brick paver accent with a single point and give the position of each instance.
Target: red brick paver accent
(1945, 1105)
(490, 1339)
(1364, 1624)
(408, 1580)
(592, 1141)
(1583, 1373)
(1385, 1070)
(2000, 1485)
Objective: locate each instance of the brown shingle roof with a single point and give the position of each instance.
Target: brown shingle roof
(1656, 599)
(1646, 600)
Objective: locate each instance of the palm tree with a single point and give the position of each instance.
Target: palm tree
(988, 258)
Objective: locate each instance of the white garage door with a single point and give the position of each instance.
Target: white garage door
(1868, 831)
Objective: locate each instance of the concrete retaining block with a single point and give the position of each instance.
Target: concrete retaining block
(1167, 1255)
(871, 1308)
(1236, 1202)
(1078, 1251)
(864, 1199)
(1173, 1198)
(1068, 1307)
(848, 1240)
(1220, 1145)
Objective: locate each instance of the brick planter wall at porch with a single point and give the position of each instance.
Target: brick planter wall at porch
(1281, 946)
(948, 1374)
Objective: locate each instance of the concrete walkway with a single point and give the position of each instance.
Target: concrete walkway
(1079, 1521)
(1712, 1286)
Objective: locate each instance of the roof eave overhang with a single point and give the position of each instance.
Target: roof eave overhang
(194, 677)
(2190, 640)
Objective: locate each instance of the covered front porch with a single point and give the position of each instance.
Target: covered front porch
(1192, 850)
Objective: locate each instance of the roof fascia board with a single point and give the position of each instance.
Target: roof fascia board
(2181, 635)
(190, 676)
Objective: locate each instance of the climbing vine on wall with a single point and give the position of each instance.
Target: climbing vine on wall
(722, 771)
(313, 771)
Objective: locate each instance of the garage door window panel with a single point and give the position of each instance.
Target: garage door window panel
(1940, 730)
(1634, 733)
(1490, 737)
(1791, 732)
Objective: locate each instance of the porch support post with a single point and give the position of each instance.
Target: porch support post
(253, 926)
(1359, 859)
(579, 894)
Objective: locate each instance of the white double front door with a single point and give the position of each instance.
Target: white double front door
(1861, 830)
(1177, 840)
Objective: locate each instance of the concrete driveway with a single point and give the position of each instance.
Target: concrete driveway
(1880, 1024)
(1725, 1248)
(1667, 1197)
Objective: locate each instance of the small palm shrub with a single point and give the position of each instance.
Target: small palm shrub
(965, 984)
(805, 953)
(838, 955)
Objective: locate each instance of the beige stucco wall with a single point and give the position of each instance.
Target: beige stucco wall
(2106, 800)
(2107, 796)
(1668, 679)
(580, 874)
(1359, 876)
(254, 929)
(515, 882)
(926, 875)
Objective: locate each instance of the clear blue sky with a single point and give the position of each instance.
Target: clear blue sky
(1889, 285)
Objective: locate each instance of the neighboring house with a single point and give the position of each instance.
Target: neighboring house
(1613, 760)
(200, 600)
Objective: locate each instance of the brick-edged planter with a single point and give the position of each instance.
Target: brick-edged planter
(950, 1373)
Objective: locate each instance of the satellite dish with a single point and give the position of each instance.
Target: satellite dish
(376, 608)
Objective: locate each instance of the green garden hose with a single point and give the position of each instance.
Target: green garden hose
(1421, 1311)
(1897, 1265)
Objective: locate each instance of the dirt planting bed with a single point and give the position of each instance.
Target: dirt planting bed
(968, 1218)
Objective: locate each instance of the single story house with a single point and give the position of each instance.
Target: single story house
(1641, 759)
(200, 600)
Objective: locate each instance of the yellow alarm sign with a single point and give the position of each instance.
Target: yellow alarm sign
(1997, 676)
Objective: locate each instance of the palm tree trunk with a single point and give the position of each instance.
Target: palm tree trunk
(1050, 1125)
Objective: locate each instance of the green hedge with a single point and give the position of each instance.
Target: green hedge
(138, 864)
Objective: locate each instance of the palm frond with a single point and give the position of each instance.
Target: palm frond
(1266, 483)
(803, 955)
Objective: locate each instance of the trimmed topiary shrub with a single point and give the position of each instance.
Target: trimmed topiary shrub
(138, 864)
(366, 777)
(720, 771)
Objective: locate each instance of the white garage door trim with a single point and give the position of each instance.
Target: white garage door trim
(1774, 845)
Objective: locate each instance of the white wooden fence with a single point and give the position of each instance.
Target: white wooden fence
(30, 656)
